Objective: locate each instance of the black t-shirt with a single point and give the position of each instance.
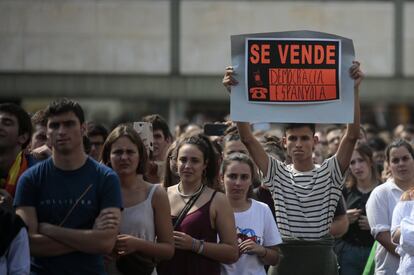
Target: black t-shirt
(340, 207)
(355, 235)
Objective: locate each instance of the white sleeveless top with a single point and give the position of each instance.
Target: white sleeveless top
(137, 221)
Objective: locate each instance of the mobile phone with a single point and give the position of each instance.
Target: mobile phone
(144, 130)
(214, 129)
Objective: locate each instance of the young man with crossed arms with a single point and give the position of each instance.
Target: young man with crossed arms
(60, 198)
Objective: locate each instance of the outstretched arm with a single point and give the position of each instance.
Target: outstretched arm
(228, 79)
(254, 147)
(346, 147)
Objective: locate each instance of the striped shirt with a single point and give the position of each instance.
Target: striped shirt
(305, 202)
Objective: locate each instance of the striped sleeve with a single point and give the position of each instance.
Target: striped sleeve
(338, 178)
(272, 168)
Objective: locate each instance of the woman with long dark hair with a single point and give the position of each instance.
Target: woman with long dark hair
(354, 247)
(170, 172)
(208, 213)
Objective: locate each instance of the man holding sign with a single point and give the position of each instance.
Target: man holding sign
(305, 194)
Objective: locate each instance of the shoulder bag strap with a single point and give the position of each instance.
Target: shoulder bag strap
(76, 203)
(186, 208)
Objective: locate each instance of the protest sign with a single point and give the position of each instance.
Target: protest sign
(299, 76)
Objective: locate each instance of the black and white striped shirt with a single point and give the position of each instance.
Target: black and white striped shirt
(305, 202)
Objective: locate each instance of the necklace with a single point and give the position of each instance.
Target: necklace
(189, 195)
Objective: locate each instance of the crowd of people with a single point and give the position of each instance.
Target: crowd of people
(77, 198)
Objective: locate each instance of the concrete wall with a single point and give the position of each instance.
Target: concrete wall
(125, 36)
(122, 48)
(409, 39)
(85, 36)
(207, 26)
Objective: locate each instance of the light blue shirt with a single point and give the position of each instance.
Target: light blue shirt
(17, 258)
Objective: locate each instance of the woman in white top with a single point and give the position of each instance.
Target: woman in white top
(383, 200)
(145, 227)
(258, 235)
(402, 231)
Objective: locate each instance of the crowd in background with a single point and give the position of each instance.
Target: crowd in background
(93, 200)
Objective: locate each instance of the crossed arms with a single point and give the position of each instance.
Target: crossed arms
(51, 240)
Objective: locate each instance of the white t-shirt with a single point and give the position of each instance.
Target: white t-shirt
(256, 223)
(305, 202)
(380, 205)
(403, 218)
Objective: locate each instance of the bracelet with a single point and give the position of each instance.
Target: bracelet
(193, 245)
(201, 248)
(264, 256)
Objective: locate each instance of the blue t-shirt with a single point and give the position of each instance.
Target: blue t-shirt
(53, 192)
